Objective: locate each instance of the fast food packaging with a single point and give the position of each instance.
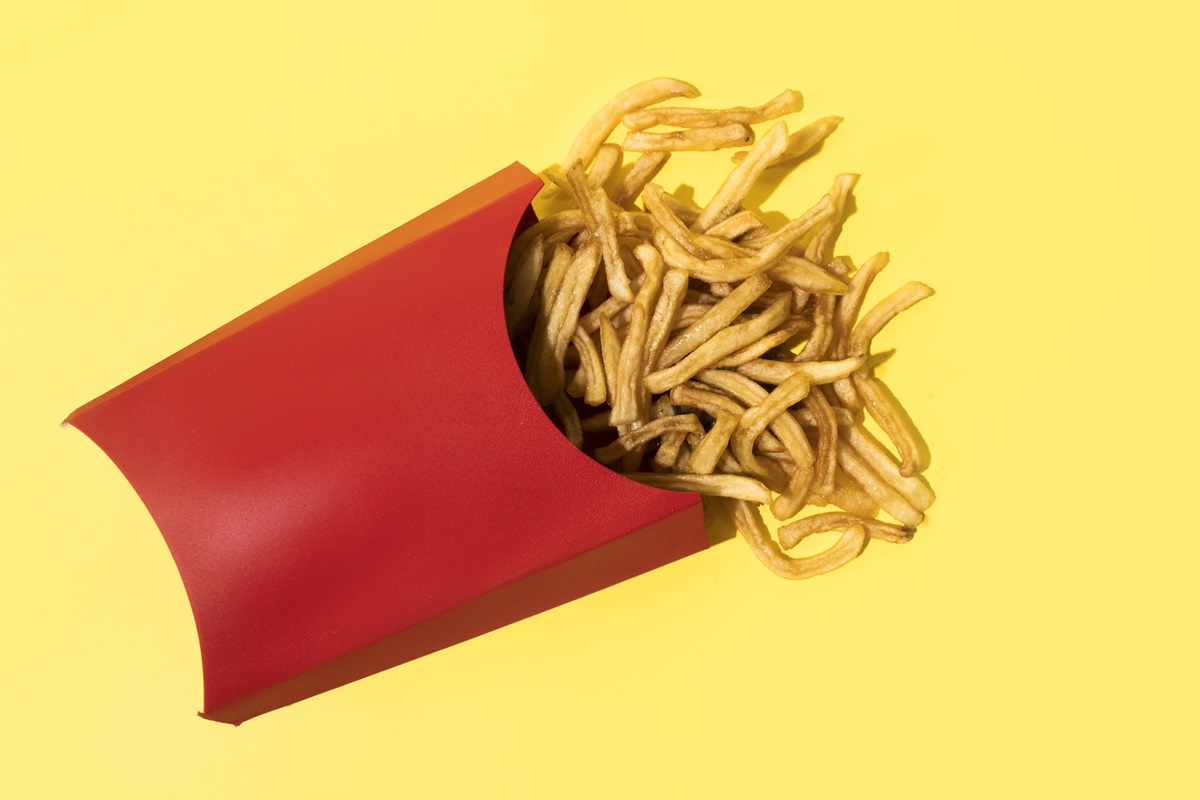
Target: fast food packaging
(354, 474)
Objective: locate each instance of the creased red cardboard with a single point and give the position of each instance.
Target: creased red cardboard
(354, 473)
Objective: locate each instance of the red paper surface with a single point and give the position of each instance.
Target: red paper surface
(354, 473)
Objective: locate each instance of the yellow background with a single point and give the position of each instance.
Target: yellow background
(163, 168)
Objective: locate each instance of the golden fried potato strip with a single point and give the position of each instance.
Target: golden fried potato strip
(676, 117)
(743, 176)
(793, 533)
(631, 401)
(748, 522)
(641, 173)
(698, 139)
(734, 486)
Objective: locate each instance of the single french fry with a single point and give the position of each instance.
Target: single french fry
(825, 458)
(735, 486)
(641, 173)
(524, 283)
(742, 178)
(903, 298)
(590, 363)
(676, 117)
(631, 401)
(842, 186)
(608, 159)
(674, 287)
(703, 139)
(793, 533)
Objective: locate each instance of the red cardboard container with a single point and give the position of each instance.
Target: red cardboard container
(354, 474)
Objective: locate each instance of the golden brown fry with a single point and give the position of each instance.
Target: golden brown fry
(544, 367)
(591, 365)
(757, 349)
(842, 186)
(825, 459)
(844, 417)
(748, 522)
(702, 139)
(850, 497)
(524, 282)
(653, 198)
(631, 401)
(598, 217)
(668, 453)
(742, 178)
(716, 318)
(735, 486)
(722, 344)
(608, 159)
(708, 450)
(676, 117)
(758, 417)
(552, 277)
(802, 141)
(637, 437)
(570, 221)
(883, 494)
(903, 298)
(821, 335)
(610, 356)
(790, 269)
(816, 372)
(883, 410)
(912, 488)
(793, 533)
(641, 173)
(712, 403)
(605, 121)
(850, 304)
(739, 224)
(784, 426)
(674, 287)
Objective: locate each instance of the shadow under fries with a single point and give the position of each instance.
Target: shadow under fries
(720, 526)
(770, 180)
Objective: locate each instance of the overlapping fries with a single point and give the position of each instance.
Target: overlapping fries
(720, 356)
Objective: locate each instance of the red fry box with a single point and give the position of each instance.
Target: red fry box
(354, 474)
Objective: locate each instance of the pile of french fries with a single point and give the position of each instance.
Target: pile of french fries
(708, 352)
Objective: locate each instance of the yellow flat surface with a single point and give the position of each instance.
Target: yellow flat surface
(164, 167)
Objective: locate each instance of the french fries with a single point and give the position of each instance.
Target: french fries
(708, 352)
